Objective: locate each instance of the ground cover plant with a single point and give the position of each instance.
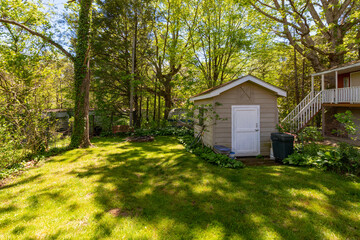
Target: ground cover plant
(157, 190)
(343, 158)
(18, 161)
(196, 147)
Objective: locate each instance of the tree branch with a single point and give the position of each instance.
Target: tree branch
(45, 38)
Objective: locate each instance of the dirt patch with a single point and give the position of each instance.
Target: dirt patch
(334, 141)
(119, 212)
(140, 139)
(116, 212)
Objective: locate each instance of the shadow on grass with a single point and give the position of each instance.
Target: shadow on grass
(184, 197)
(24, 181)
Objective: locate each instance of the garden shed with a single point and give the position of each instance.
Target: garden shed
(248, 114)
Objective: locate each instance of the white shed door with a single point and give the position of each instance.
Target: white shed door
(246, 130)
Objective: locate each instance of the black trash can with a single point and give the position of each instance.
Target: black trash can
(283, 145)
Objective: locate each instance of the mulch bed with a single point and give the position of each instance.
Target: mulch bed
(140, 139)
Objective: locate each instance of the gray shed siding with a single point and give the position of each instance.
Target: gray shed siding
(247, 93)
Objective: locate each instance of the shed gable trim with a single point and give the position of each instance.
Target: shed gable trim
(238, 82)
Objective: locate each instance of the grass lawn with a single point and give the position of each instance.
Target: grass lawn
(120, 190)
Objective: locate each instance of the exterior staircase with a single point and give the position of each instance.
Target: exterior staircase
(304, 111)
(311, 105)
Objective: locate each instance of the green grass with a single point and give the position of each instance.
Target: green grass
(159, 191)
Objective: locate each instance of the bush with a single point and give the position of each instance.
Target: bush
(347, 120)
(296, 158)
(167, 131)
(207, 153)
(10, 146)
(310, 134)
(341, 159)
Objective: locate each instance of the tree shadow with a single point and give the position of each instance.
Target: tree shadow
(159, 182)
(21, 182)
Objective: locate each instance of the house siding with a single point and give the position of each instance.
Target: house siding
(354, 79)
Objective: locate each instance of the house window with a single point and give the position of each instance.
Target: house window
(346, 82)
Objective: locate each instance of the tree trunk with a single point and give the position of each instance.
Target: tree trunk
(159, 108)
(147, 108)
(111, 121)
(154, 116)
(303, 80)
(297, 97)
(138, 124)
(80, 136)
(167, 98)
(133, 72)
(136, 111)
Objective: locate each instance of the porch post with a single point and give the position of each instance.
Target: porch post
(336, 87)
(322, 82)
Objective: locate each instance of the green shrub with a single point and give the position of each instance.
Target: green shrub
(167, 131)
(10, 146)
(297, 158)
(310, 134)
(208, 154)
(347, 120)
(341, 159)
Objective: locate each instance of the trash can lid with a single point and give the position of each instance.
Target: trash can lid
(283, 137)
(275, 136)
(286, 137)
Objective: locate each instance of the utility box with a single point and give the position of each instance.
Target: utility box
(283, 145)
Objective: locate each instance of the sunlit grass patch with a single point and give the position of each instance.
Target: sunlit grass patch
(157, 190)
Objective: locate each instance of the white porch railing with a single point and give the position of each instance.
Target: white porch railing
(312, 104)
(345, 95)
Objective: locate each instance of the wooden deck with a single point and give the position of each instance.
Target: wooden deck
(356, 105)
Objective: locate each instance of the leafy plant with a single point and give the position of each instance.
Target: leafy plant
(344, 158)
(283, 127)
(296, 158)
(208, 154)
(347, 120)
(167, 131)
(204, 116)
(310, 134)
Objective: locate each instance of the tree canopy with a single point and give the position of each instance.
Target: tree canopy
(136, 60)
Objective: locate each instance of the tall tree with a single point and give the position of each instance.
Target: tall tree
(29, 76)
(322, 27)
(218, 41)
(171, 43)
(80, 136)
(121, 53)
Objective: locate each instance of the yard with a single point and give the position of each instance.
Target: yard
(156, 190)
